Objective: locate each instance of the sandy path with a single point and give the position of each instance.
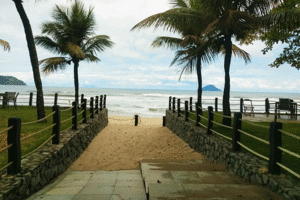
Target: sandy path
(120, 145)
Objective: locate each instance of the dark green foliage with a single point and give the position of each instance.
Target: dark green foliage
(10, 80)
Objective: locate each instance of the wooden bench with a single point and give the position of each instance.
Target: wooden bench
(248, 108)
(287, 105)
(10, 97)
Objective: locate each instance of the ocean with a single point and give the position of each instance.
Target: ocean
(144, 102)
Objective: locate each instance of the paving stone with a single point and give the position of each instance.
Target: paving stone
(127, 190)
(104, 175)
(71, 183)
(92, 197)
(134, 183)
(124, 197)
(103, 182)
(78, 176)
(124, 176)
(96, 189)
(55, 197)
(64, 191)
(166, 190)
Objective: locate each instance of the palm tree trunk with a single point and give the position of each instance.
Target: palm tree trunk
(226, 94)
(199, 76)
(76, 82)
(33, 59)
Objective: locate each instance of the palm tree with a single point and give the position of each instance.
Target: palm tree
(5, 45)
(72, 37)
(33, 59)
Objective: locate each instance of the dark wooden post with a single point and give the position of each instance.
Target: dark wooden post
(191, 104)
(210, 119)
(55, 99)
(136, 120)
(241, 105)
(96, 104)
(267, 106)
(173, 104)
(197, 114)
(81, 100)
(178, 107)
(56, 127)
(164, 120)
(186, 105)
(84, 111)
(275, 153)
(236, 135)
(30, 98)
(101, 98)
(74, 114)
(170, 103)
(92, 107)
(14, 153)
(216, 104)
(104, 101)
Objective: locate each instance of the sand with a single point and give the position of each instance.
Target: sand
(120, 145)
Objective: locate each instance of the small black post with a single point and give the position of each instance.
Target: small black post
(101, 98)
(178, 107)
(241, 105)
(81, 100)
(170, 103)
(30, 98)
(191, 104)
(210, 119)
(164, 120)
(173, 104)
(267, 106)
(216, 104)
(275, 153)
(14, 153)
(55, 99)
(92, 107)
(197, 114)
(236, 135)
(104, 101)
(74, 114)
(186, 110)
(136, 120)
(56, 121)
(84, 111)
(96, 104)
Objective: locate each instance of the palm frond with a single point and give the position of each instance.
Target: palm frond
(91, 58)
(5, 45)
(168, 42)
(179, 3)
(238, 52)
(75, 51)
(98, 43)
(47, 43)
(53, 64)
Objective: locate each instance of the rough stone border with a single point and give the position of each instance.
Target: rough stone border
(51, 160)
(219, 150)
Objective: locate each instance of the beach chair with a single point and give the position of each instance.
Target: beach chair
(287, 105)
(11, 97)
(248, 107)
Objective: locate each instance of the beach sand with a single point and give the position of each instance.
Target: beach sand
(120, 145)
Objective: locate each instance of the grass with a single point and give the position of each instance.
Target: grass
(288, 142)
(28, 114)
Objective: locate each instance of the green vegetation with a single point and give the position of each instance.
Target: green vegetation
(10, 80)
(28, 114)
(288, 142)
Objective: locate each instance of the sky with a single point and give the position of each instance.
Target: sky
(132, 62)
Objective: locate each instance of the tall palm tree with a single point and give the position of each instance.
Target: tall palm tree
(5, 45)
(72, 36)
(33, 59)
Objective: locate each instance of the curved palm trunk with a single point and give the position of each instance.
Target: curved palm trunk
(76, 82)
(33, 59)
(226, 93)
(199, 77)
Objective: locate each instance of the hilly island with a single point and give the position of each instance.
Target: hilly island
(10, 80)
(210, 88)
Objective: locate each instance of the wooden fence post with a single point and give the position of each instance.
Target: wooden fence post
(14, 153)
(56, 127)
(236, 135)
(92, 107)
(191, 104)
(74, 114)
(178, 107)
(241, 105)
(104, 101)
(136, 120)
(30, 98)
(275, 153)
(164, 120)
(210, 119)
(216, 104)
(173, 104)
(170, 103)
(197, 114)
(55, 99)
(101, 98)
(81, 100)
(186, 111)
(84, 111)
(96, 104)
(267, 106)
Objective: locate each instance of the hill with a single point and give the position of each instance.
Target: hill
(10, 80)
(210, 88)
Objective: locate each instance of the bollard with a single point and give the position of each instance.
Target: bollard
(96, 104)
(186, 108)
(178, 107)
(267, 106)
(210, 119)
(170, 103)
(104, 101)
(164, 120)
(14, 153)
(84, 111)
(74, 114)
(101, 98)
(216, 104)
(136, 120)
(173, 104)
(55, 99)
(191, 104)
(92, 107)
(275, 153)
(30, 98)
(56, 127)
(197, 114)
(241, 105)
(236, 135)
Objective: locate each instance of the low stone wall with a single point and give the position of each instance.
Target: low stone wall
(51, 160)
(219, 150)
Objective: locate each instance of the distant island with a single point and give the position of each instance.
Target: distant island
(210, 88)
(10, 80)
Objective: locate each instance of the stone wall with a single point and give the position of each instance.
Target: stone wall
(219, 150)
(51, 160)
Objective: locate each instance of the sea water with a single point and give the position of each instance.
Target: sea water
(144, 102)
